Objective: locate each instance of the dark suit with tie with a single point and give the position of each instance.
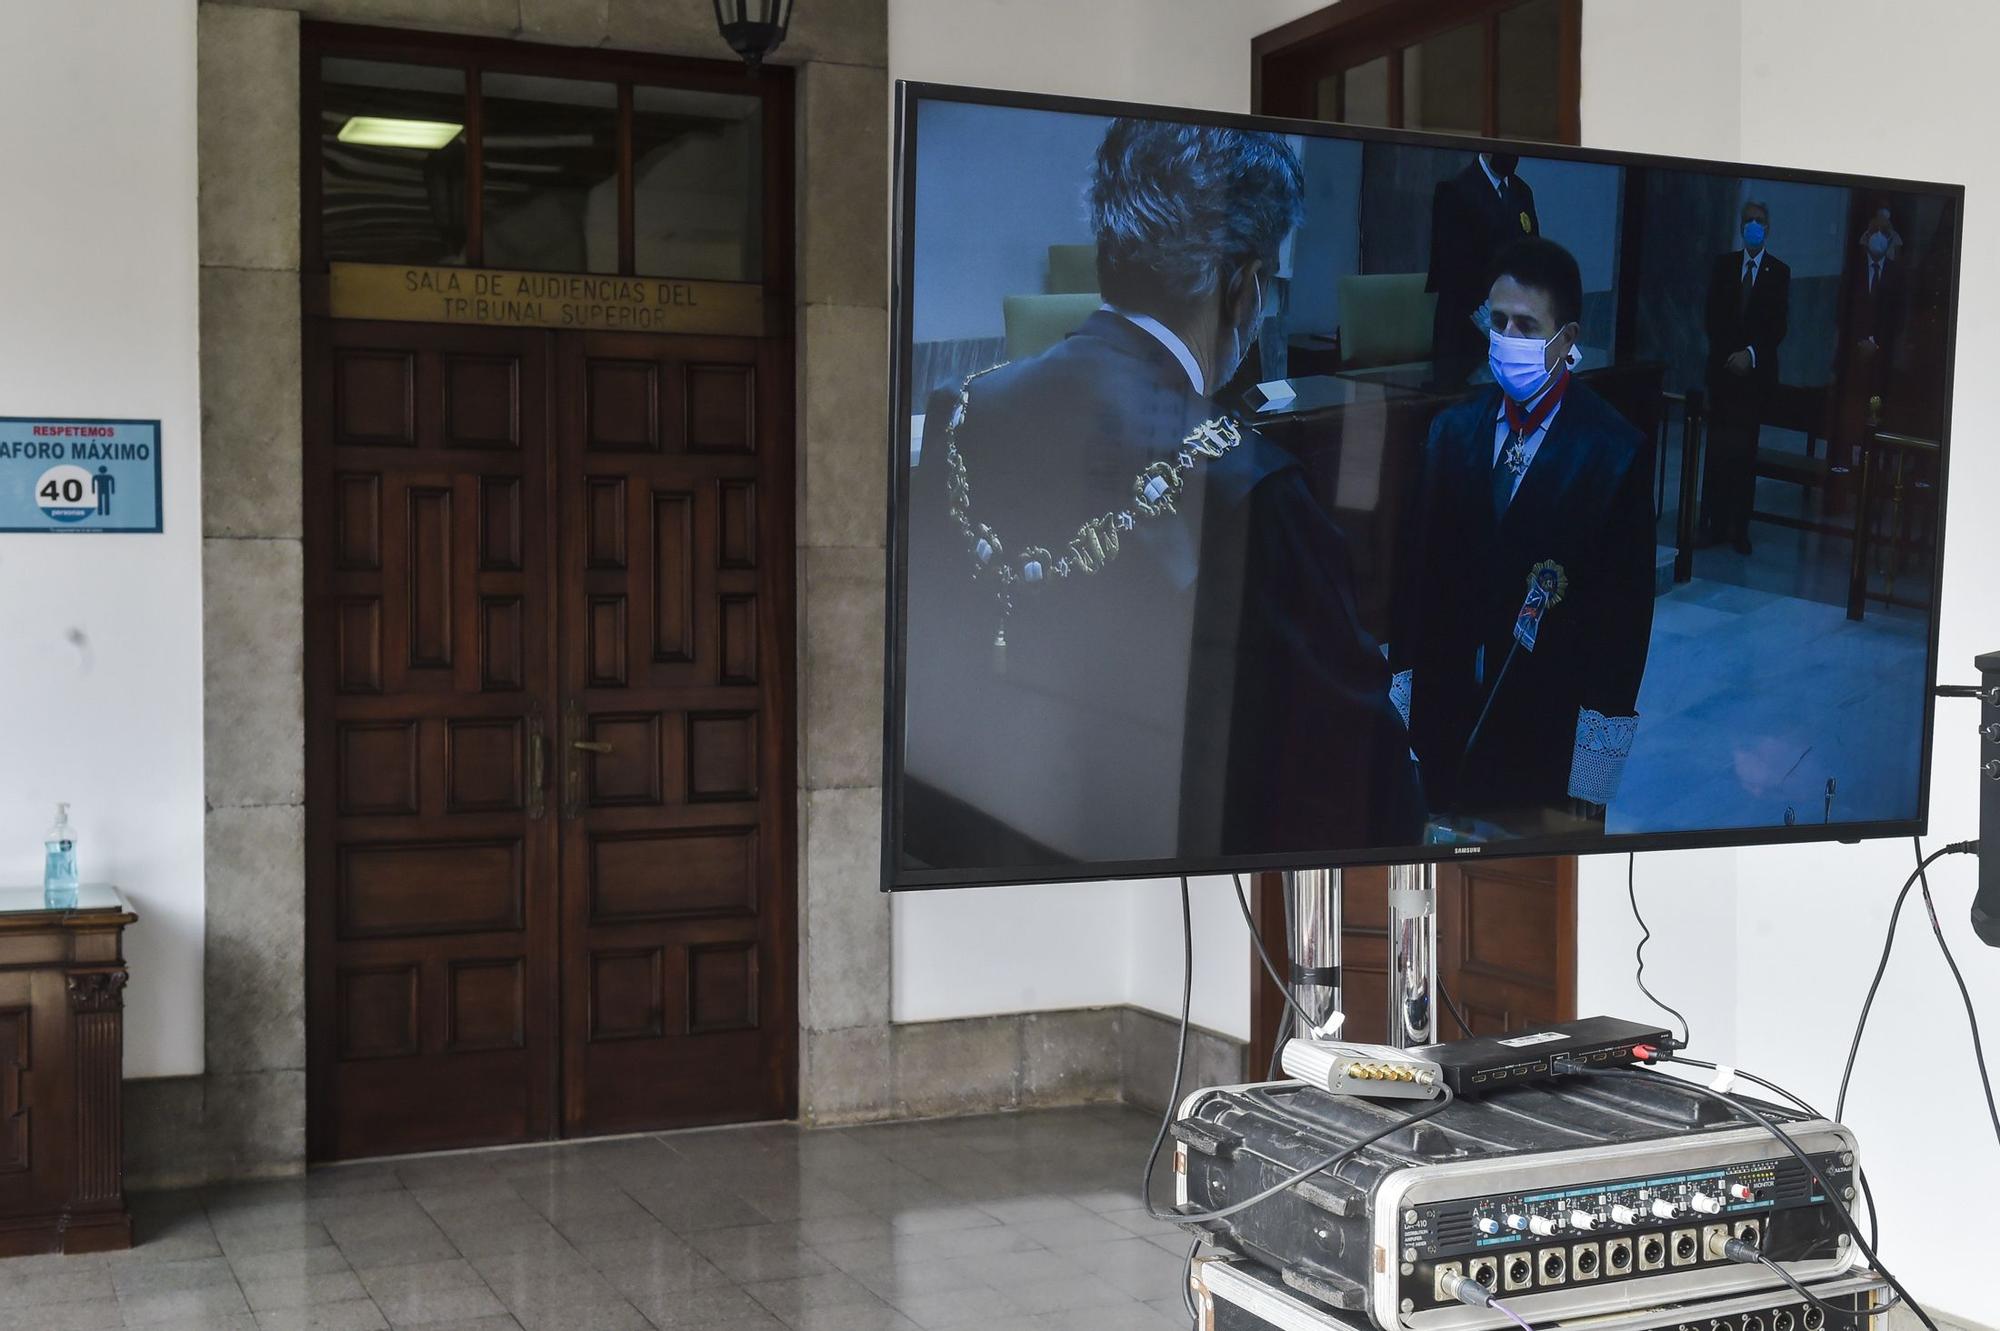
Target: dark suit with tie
(1872, 306)
(1207, 691)
(1585, 502)
(1470, 223)
(1744, 313)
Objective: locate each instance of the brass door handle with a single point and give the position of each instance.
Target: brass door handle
(590, 745)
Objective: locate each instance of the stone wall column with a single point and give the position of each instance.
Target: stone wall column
(248, 1113)
(848, 1043)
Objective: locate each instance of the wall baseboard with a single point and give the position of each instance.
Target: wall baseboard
(1028, 1060)
(191, 1131)
(183, 1132)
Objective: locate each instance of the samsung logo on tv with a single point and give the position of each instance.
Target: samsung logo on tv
(1466, 850)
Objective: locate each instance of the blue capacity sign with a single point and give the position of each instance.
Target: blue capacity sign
(79, 475)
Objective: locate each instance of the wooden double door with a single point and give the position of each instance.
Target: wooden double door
(549, 734)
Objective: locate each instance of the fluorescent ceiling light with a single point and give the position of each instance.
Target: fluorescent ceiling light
(389, 132)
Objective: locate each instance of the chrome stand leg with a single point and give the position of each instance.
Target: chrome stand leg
(1315, 905)
(1413, 955)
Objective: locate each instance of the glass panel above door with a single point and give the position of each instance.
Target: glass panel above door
(550, 153)
(1444, 82)
(697, 184)
(1367, 101)
(1530, 71)
(392, 162)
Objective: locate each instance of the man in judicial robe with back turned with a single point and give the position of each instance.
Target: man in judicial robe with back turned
(1132, 630)
(1526, 600)
(1474, 215)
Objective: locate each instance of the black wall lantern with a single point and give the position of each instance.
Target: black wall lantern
(753, 28)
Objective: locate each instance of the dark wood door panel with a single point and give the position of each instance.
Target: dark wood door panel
(431, 866)
(1507, 943)
(677, 897)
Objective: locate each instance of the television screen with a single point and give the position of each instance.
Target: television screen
(1281, 494)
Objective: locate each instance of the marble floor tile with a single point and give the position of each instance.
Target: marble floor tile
(345, 1315)
(1014, 1223)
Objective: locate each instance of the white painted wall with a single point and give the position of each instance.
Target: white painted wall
(1016, 949)
(99, 242)
(1772, 948)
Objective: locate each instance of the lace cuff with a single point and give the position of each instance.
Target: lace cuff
(1597, 764)
(1399, 694)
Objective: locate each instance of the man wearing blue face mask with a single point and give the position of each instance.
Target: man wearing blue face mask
(1871, 318)
(1522, 617)
(1749, 301)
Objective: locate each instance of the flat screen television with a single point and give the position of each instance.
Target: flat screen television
(1276, 494)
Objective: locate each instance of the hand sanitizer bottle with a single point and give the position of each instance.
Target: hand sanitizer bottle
(59, 881)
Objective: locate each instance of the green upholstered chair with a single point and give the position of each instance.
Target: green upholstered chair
(1385, 319)
(1072, 268)
(1037, 322)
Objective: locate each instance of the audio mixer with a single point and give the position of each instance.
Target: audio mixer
(1567, 1201)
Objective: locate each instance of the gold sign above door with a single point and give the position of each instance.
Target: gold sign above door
(506, 298)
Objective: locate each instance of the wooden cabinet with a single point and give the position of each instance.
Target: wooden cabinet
(62, 1043)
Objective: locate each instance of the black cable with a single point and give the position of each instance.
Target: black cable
(1287, 1024)
(1645, 937)
(1882, 966)
(1276, 1063)
(1964, 995)
(1753, 1079)
(1785, 1140)
(1860, 1175)
(1437, 1106)
(1187, 1287)
(1180, 1051)
(1270, 969)
(1174, 1097)
(1815, 1300)
(1874, 1212)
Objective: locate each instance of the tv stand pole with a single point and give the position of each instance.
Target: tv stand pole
(1413, 955)
(1313, 898)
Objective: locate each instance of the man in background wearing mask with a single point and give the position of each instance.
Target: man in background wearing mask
(1474, 215)
(1871, 316)
(1749, 299)
(1526, 597)
(1183, 669)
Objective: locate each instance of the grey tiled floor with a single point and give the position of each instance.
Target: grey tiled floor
(1024, 1222)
